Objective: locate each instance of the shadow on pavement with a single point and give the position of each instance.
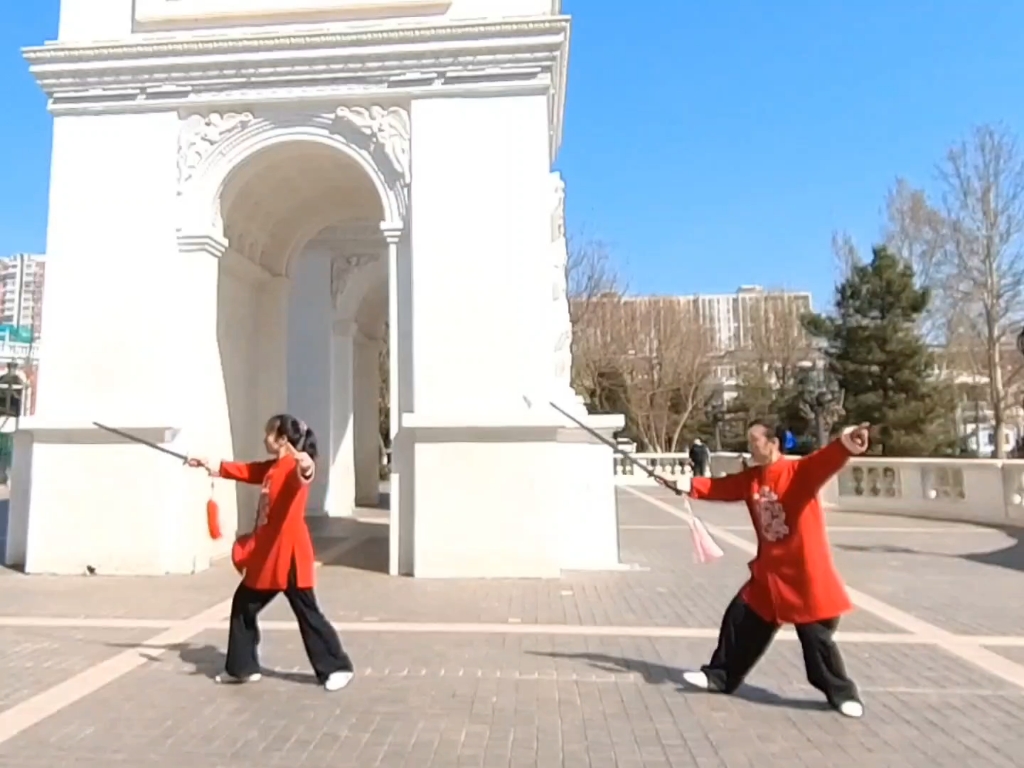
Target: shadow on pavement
(5, 505)
(370, 555)
(208, 661)
(1010, 557)
(659, 674)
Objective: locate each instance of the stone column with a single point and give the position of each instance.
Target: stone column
(366, 412)
(310, 335)
(400, 508)
(341, 484)
(272, 335)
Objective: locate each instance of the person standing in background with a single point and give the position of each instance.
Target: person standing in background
(700, 457)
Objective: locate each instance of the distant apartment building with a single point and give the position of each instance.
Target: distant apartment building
(752, 321)
(22, 280)
(735, 321)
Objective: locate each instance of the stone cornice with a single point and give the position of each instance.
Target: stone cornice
(172, 70)
(171, 14)
(190, 43)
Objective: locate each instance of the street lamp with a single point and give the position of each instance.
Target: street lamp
(12, 378)
(715, 412)
(9, 409)
(819, 401)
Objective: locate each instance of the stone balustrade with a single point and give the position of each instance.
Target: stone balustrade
(11, 350)
(674, 465)
(977, 490)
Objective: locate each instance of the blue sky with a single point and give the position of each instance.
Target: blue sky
(709, 144)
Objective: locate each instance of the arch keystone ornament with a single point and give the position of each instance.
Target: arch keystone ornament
(384, 132)
(200, 134)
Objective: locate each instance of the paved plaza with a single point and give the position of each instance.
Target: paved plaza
(582, 671)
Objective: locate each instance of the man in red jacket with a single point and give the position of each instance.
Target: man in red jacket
(792, 578)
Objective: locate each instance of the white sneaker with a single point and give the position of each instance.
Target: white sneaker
(697, 679)
(226, 679)
(851, 709)
(338, 680)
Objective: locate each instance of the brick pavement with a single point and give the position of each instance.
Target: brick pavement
(933, 573)
(33, 659)
(531, 694)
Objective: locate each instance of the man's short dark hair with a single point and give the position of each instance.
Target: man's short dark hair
(775, 431)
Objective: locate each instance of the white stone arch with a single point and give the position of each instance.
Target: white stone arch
(213, 146)
(220, 157)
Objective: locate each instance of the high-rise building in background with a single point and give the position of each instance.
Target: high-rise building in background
(752, 321)
(22, 279)
(733, 320)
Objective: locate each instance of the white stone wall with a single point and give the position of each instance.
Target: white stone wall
(480, 237)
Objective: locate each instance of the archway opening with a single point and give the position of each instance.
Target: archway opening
(279, 311)
(372, 423)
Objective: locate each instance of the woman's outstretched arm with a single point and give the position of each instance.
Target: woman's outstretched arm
(252, 472)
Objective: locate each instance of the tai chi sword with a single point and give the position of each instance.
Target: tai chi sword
(705, 548)
(136, 439)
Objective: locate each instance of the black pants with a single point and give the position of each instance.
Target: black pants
(323, 647)
(745, 637)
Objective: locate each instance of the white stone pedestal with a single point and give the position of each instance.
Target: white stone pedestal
(589, 533)
(521, 497)
(109, 505)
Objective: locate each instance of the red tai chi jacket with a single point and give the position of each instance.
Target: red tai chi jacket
(281, 536)
(792, 578)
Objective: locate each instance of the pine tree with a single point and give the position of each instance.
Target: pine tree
(879, 359)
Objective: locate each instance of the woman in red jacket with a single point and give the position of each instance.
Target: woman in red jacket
(280, 557)
(792, 578)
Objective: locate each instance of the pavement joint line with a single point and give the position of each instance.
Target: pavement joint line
(977, 655)
(831, 529)
(375, 626)
(886, 529)
(35, 709)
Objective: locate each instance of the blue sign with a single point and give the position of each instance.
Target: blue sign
(790, 441)
(16, 334)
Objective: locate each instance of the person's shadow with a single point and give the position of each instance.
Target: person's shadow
(1010, 557)
(208, 661)
(659, 674)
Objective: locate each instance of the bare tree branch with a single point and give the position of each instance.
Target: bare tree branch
(667, 369)
(592, 282)
(982, 262)
(845, 255)
(917, 232)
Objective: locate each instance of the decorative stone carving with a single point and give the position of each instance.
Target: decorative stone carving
(558, 214)
(561, 317)
(943, 483)
(342, 270)
(383, 132)
(201, 133)
(873, 482)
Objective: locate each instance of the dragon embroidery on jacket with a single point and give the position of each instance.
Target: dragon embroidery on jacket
(771, 517)
(263, 506)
